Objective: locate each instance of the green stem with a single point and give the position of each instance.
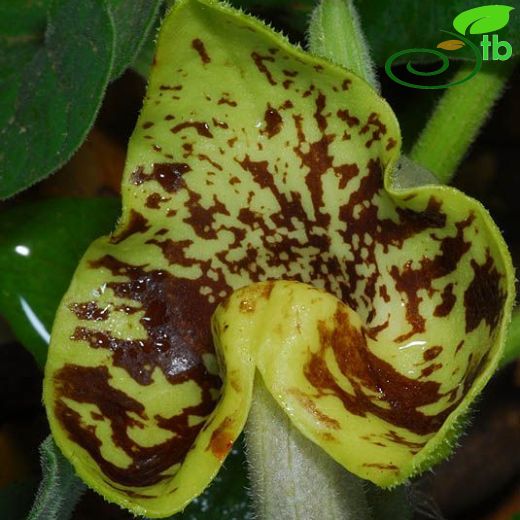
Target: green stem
(458, 118)
(60, 488)
(292, 478)
(335, 34)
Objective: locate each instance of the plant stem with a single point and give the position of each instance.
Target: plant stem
(335, 34)
(458, 118)
(292, 478)
(60, 488)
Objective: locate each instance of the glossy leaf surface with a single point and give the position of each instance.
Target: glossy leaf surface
(40, 245)
(254, 161)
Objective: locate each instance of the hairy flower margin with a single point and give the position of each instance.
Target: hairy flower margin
(266, 226)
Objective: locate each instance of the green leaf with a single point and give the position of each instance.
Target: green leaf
(23, 20)
(40, 245)
(484, 19)
(143, 60)
(60, 488)
(54, 70)
(133, 22)
(49, 104)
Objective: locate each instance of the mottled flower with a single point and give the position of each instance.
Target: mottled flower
(262, 182)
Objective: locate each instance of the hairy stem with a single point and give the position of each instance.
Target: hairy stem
(458, 118)
(292, 478)
(60, 488)
(335, 34)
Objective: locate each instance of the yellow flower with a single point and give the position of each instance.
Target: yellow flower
(372, 302)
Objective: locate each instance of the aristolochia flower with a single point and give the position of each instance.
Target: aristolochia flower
(372, 304)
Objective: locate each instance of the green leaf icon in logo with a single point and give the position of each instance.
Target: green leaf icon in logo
(481, 20)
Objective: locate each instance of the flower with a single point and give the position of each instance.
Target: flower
(262, 183)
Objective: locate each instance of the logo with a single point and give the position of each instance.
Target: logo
(479, 20)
